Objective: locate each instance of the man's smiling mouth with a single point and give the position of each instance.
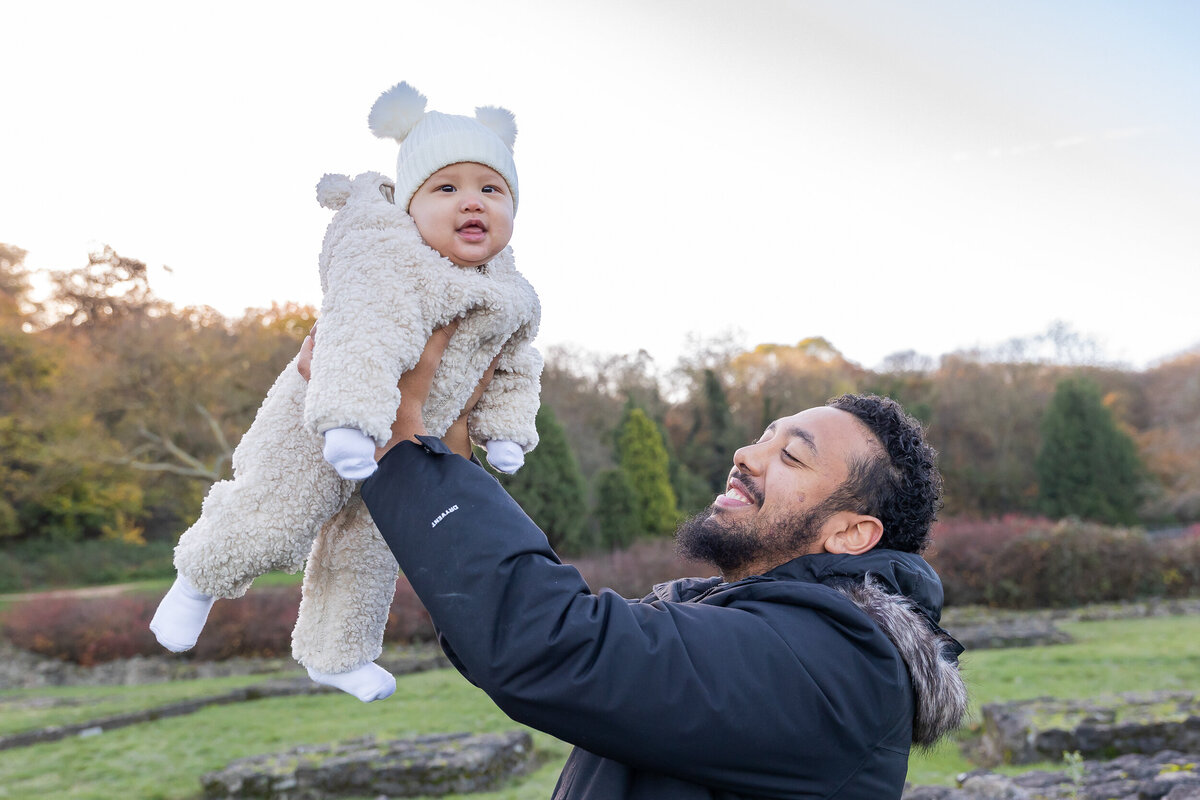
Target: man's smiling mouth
(738, 494)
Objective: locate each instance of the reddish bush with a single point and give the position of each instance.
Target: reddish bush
(1033, 563)
(1181, 558)
(408, 621)
(256, 625)
(83, 630)
(1015, 562)
(90, 631)
(632, 572)
(964, 552)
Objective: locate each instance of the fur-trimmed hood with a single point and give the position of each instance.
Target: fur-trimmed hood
(930, 654)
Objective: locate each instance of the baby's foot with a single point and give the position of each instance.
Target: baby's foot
(181, 616)
(368, 683)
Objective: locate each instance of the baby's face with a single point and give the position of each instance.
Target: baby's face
(465, 212)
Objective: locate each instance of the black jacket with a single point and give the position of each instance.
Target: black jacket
(787, 685)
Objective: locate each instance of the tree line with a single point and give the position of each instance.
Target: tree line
(118, 410)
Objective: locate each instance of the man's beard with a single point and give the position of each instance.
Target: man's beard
(731, 544)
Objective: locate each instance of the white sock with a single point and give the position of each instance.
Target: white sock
(351, 452)
(181, 616)
(368, 683)
(504, 455)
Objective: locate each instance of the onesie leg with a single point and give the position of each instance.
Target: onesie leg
(348, 587)
(264, 519)
(181, 616)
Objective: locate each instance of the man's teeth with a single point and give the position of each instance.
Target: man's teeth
(734, 494)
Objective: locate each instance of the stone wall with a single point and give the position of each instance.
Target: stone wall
(428, 765)
(1028, 731)
(1163, 776)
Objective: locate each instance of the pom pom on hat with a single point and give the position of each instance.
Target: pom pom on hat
(499, 121)
(396, 112)
(430, 140)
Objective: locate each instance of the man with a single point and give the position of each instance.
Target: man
(806, 670)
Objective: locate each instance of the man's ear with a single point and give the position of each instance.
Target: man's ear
(854, 534)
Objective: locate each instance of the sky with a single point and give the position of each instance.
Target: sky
(927, 176)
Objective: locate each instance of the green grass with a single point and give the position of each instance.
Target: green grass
(164, 759)
(20, 711)
(1108, 657)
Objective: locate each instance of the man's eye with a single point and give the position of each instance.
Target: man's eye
(790, 457)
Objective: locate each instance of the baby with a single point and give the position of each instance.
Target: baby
(398, 261)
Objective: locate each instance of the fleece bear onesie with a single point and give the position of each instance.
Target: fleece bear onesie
(385, 291)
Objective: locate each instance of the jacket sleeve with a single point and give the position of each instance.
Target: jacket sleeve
(508, 408)
(706, 693)
(370, 332)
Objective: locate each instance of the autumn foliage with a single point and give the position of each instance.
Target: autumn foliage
(118, 410)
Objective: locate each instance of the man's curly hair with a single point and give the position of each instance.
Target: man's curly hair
(901, 485)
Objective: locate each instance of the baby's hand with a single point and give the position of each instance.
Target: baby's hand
(505, 456)
(351, 452)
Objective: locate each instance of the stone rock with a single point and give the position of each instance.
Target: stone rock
(1016, 632)
(1043, 729)
(1168, 775)
(428, 765)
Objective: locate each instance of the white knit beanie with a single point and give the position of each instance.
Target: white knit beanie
(432, 140)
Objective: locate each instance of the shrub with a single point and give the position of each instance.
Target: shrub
(1181, 556)
(1018, 562)
(92, 630)
(86, 631)
(964, 551)
(632, 572)
(256, 625)
(408, 621)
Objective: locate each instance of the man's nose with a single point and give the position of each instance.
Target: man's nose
(746, 459)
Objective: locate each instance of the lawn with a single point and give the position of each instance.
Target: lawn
(164, 759)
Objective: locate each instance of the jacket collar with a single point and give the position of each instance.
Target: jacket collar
(902, 594)
(896, 572)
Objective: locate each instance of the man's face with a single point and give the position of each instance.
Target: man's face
(465, 212)
(773, 508)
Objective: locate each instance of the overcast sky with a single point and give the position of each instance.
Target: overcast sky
(929, 175)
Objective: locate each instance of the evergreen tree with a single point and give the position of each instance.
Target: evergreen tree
(550, 488)
(1087, 466)
(616, 510)
(643, 458)
(714, 437)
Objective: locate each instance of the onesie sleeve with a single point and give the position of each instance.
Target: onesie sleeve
(371, 330)
(508, 407)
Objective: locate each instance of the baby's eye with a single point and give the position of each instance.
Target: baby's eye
(489, 189)
(445, 187)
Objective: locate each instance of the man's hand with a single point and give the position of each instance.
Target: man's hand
(414, 391)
